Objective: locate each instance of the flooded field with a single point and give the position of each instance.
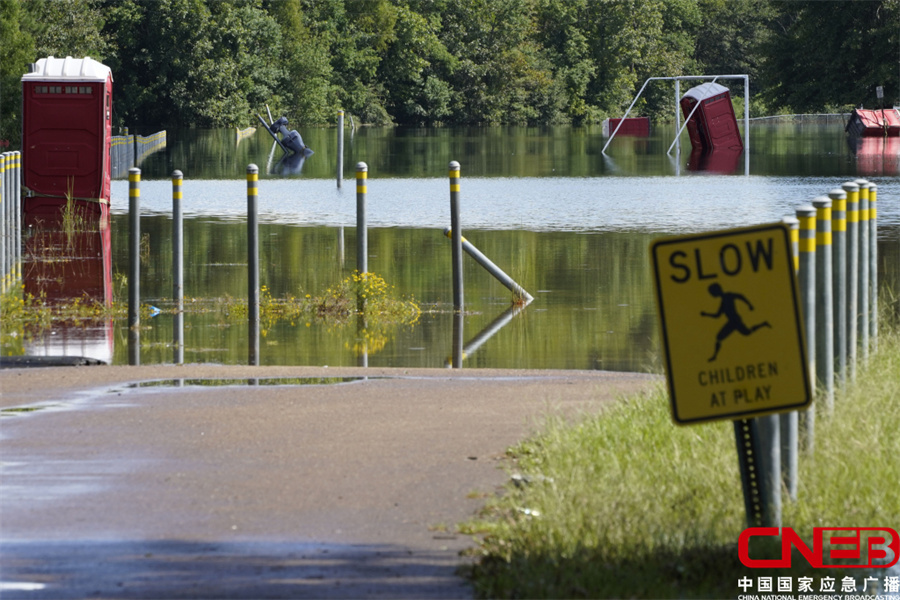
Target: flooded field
(568, 223)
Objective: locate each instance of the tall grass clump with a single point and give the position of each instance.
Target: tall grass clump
(625, 504)
(72, 218)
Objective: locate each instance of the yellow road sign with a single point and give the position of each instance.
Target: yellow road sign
(730, 322)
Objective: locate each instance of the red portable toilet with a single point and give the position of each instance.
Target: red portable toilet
(874, 123)
(713, 125)
(635, 126)
(66, 133)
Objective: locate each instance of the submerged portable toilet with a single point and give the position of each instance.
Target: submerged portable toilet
(873, 123)
(634, 126)
(66, 133)
(713, 124)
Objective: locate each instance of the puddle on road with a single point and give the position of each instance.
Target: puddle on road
(18, 411)
(24, 410)
(247, 381)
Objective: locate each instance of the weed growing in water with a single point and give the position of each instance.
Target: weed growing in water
(72, 216)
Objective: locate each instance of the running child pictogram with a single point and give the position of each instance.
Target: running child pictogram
(728, 307)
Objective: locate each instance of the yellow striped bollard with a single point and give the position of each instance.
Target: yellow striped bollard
(824, 302)
(806, 277)
(5, 228)
(178, 266)
(16, 185)
(362, 235)
(253, 262)
(839, 274)
(873, 266)
(862, 322)
(134, 265)
(456, 238)
(788, 421)
(456, 249)
(794, 227)
(852, 190)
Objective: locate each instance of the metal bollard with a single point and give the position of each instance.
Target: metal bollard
(794, 226)
(10, 223)
(17, 211)
(873, 267)
(852, 190)
(788, 422)
(5, 227)
(456, 237)
(340, 148)
(839, 274)
(862, 321)
(253, 262)
(806, 276)
(824, 301)
(178, 267)
(134, 254)
(134, 265)
(362, 236)
(8, 230)
(518, 291)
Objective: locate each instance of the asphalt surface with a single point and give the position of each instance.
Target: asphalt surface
(288, 482)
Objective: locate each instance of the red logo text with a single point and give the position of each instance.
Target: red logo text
(843, 547)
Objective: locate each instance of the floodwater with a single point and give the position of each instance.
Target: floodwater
(570, 224)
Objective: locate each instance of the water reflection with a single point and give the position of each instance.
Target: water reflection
(593, 306)
(720, 160)
(794, 149)
(877, 156)
(568, 224)
(68, 263)
(234, 382)
(288, 164)
(462, 351)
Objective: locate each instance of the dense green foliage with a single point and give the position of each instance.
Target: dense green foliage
(206, 63)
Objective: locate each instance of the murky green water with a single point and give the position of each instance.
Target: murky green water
(568, 223)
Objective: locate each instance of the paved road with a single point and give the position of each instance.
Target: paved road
(346, 484)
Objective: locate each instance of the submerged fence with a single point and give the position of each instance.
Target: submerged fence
(10, 219)
(128, 151)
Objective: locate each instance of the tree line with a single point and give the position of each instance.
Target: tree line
(212, 63)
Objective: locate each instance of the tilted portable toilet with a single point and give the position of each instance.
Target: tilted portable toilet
(873, 123)
(66, 133)
(713, 124)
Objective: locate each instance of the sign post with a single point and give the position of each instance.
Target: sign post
(734, 345)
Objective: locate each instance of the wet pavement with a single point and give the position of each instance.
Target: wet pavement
(283, 482)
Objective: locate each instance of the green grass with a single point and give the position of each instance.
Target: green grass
(625, 504)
